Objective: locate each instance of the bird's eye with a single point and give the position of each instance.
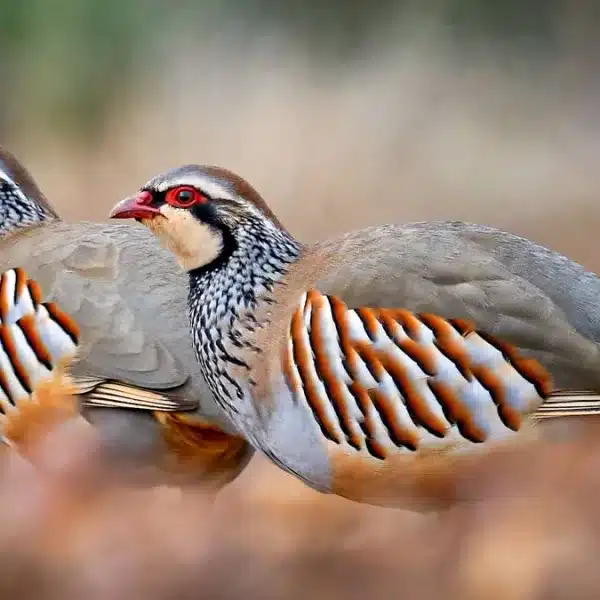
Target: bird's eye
(184, 197)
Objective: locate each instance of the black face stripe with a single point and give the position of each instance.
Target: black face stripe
(230, 245)
(206, 213)
(158, 198)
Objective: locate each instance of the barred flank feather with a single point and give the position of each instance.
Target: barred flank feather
(383, 380)
(35, 339)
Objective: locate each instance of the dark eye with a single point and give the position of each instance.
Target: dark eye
(184, 197)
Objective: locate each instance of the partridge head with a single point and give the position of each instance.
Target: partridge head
(374, 364)
(135, 377)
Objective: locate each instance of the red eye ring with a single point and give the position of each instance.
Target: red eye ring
(184, 196)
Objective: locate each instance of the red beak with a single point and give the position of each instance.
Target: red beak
(135, 207)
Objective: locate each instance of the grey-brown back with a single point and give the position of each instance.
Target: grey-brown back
(509, 286)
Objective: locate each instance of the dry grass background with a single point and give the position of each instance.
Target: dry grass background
(407, 134)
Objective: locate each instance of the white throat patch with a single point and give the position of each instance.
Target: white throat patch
(193, 243)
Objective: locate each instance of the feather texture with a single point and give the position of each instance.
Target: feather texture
(567, 403)
(383, 380)
(35, 338)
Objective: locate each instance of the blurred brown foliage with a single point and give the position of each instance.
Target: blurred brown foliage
(67, 532)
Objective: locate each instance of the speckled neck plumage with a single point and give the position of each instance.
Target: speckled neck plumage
(18, 212)
(254, 258)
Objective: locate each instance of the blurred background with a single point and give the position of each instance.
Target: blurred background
(342, 113)
(394, 110)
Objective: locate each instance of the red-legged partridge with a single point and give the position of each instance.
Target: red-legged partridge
(135, 374)
(367, 365)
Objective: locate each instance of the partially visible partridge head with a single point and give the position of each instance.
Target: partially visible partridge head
(200, 213)
(22, 203)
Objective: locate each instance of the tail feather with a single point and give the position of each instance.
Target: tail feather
(569, 403)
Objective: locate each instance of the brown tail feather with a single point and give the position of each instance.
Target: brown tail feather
(569, 403)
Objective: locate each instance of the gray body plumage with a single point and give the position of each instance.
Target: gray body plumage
(129, 298)
(539, 300)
